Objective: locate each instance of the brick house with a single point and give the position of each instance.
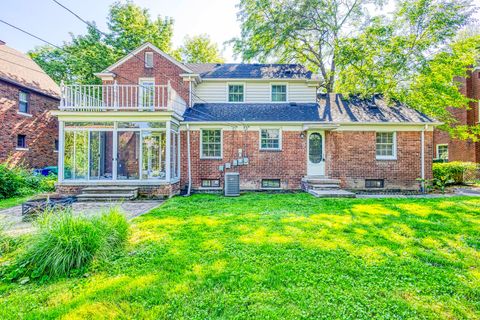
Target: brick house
(28, 132)
(450, 149)
(160, 125)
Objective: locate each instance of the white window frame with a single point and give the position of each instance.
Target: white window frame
(279, 140)
(438, 153)
(279, 84)
(201, 144)
(148, 53)
(27, 101)
(394, 138)
(236, 84)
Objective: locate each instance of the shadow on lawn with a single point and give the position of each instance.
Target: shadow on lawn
(287, 256)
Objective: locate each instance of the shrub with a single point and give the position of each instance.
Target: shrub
(7, 243)
(18, 181)
(65, 242)
(454, 172)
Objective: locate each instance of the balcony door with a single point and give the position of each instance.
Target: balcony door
(146, 94)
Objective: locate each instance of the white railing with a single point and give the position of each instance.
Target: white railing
(119, 97)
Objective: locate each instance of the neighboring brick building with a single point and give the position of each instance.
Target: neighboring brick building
(155, 124)
(450, 149)
(28, 132)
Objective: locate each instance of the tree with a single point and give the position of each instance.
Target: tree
(413, 57)
(305, 31)
(390, 53)
(131, 25)
(77, 60)
(199, 49)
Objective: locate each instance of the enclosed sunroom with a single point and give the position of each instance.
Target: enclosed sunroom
(118, 144)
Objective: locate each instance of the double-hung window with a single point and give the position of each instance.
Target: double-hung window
(23, 102)
(279, 93)
(211, 146)
(148, 59)
(442, 151)
(236, 93)
(270, 139)
(386, 146)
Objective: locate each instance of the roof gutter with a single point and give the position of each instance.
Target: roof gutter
(17, 84)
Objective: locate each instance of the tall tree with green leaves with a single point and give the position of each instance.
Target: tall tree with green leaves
(413, 57)
(305, 31)
(391, 52)
(199, 49)
(78, 60)
(131, 25)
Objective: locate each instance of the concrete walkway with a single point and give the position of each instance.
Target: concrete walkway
(11, 218)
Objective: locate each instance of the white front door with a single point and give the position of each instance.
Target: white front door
(316, 153)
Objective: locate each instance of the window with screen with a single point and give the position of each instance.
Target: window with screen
(236, 93)
(386, 145)
(23, 102)
(211, 143)
(279, 93)
(270, 139)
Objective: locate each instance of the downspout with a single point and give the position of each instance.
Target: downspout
(423, 158)
(188, 161)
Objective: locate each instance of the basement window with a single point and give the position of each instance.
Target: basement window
(374, 183)
(210, 183)
(270, 183)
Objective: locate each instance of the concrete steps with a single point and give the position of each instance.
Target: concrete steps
(332, 193)
(108, 193)
(323, 187)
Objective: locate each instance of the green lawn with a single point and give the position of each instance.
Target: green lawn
(12, 202)
(288, 256)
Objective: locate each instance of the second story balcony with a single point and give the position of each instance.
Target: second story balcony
(121, 97)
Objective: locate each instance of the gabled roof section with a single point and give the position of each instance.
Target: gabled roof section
(138, 50)
(19, 69)
(250, 71)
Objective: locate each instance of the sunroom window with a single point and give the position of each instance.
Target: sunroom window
(236, 93)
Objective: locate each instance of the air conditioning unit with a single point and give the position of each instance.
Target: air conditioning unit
(232, 184)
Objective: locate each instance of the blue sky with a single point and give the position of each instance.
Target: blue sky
(51, 22)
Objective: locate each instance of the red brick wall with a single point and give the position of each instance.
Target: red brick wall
(350, 157)
(41, 129)
(288, 165)
(461, 150)
(164, 70)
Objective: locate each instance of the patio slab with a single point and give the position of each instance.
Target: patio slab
(11, 218)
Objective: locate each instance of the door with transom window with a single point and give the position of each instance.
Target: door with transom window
(316, 153)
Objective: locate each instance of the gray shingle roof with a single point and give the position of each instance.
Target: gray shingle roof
(335, 108)
(330, 109)
(250, 71)
(225, 112)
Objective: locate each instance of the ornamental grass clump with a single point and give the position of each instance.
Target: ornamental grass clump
(65, 243)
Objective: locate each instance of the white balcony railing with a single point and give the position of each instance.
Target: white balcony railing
(120, 97)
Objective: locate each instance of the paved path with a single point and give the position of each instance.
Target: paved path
(11, 218)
